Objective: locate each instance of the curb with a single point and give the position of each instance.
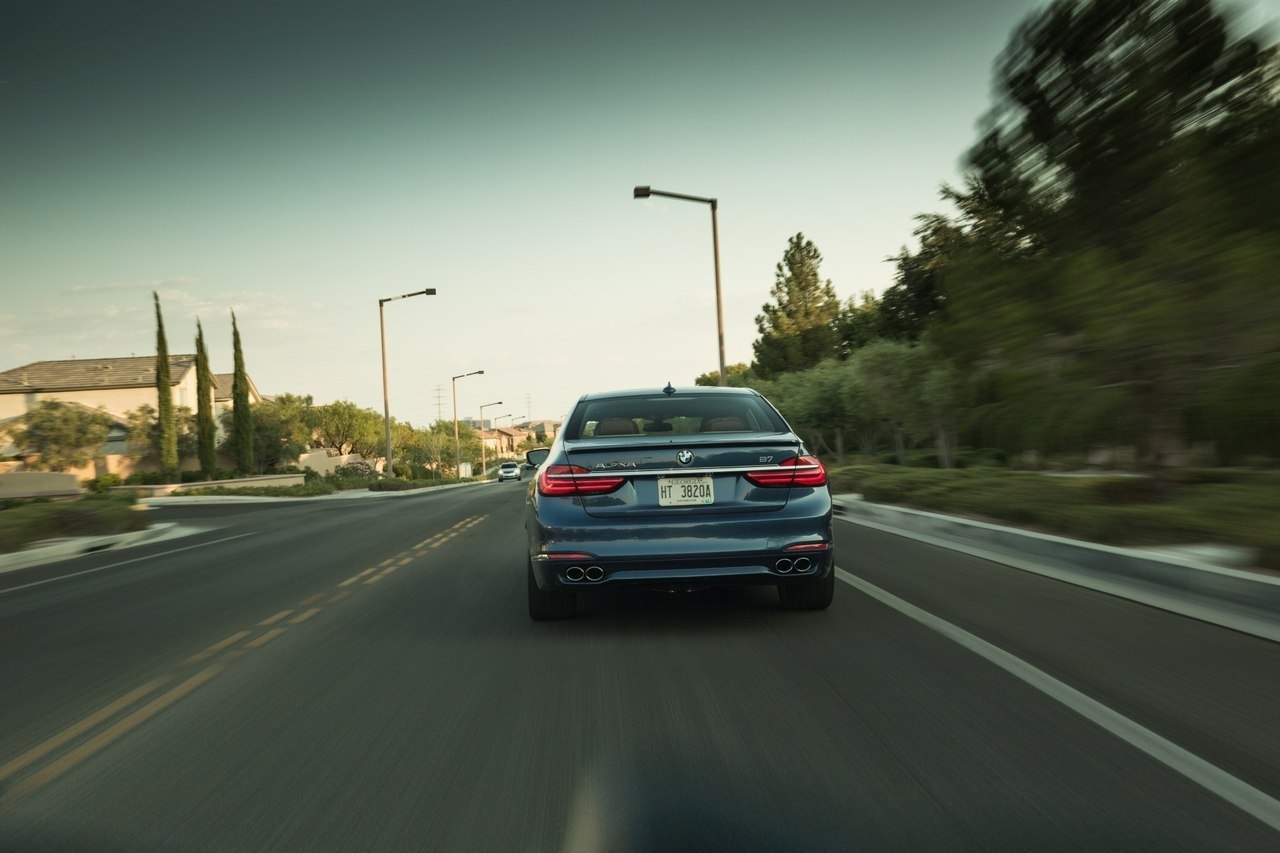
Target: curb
(58, 549)
(1240, 600)
(352, 495)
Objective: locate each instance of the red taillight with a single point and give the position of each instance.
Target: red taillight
(808, 546)
(796, 471)
(557, 481)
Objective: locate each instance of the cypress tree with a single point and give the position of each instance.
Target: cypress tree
(241, 419)
(205, 431)
(166, 428)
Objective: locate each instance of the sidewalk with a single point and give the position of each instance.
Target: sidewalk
(349, 495)
(50, 550)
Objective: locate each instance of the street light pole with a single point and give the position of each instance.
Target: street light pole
(457, 444)
(646, 192)
(386, 401)
(482, 408)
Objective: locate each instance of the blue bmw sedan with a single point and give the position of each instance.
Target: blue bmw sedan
(677, 489)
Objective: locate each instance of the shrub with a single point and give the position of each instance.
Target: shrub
(355, 475)
(302, 490)
(1121, 490)
(403, 470)
(103, 483)
(145, 478)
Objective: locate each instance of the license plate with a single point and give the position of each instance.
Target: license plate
(685, 491)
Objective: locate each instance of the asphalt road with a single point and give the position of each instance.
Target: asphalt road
(363, 675)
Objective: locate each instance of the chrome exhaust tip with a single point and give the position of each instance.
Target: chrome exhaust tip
(783, 566)
(802, 564)
(594, 573)
(574, 573)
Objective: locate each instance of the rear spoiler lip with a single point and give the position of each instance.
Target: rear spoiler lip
(698, 440)
(678, 472)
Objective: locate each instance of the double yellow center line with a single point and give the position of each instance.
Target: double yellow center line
(226, 650)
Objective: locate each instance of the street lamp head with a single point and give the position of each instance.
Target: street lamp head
(640, 192)
(430, 291)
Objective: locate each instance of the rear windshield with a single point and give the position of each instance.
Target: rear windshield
(680, 414)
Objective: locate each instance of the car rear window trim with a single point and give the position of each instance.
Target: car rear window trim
(682, 472)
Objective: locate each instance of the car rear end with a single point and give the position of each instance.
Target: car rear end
(678, 490)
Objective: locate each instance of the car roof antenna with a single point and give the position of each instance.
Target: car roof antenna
(668, 390)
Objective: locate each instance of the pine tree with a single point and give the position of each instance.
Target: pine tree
(166, 428)
(241, 419)
(797, 328)
(205, 430)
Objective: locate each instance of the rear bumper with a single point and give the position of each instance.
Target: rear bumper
(691, 572)
(680, 552)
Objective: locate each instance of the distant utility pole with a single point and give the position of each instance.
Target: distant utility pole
(528, 405)
(439, 402)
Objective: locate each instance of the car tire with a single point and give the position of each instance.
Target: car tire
(548, 605)
(810, 595)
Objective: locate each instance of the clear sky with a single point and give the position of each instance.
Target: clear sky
(297, 161)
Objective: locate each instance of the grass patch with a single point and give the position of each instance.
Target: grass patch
(1233, 508)
(94, 515)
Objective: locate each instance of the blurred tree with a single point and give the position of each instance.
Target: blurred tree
(1100, 101)
(205, 428)
(797, 327)
(241, 416)
(63, 435)
(141, 424)
(858, 323)
(890, 376)
(1097, 240)
(167, 445)
(282, 429)
(145, 435)
(345, 427)
(738, 376)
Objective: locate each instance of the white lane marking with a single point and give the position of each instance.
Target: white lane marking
(121, 563)
(1206, 775)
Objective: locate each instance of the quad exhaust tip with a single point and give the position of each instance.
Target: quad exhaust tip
(577, 573)
(783, 566)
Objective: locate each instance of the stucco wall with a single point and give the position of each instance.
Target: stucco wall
(117, 401)
(26, 484)
(322, 463)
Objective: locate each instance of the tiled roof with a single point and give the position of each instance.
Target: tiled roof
(222, 386)
(84, 373)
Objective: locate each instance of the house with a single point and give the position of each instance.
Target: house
(116, 386)
(503, 441)
(545, 430)
(222, 384)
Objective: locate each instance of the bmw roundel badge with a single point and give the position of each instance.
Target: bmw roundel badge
(684, 457)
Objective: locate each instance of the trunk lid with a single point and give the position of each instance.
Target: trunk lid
(683, 475)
